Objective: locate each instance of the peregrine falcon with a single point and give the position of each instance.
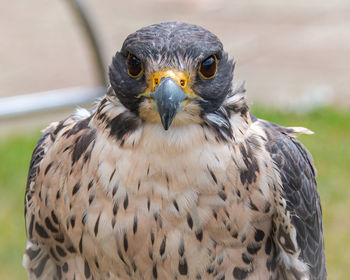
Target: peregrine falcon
(171, 176)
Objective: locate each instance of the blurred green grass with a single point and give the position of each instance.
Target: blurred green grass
(329, 146)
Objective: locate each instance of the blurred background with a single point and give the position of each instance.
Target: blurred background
(294, 57)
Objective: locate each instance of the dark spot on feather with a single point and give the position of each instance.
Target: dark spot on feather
(226, 213)
(215, 215)
(154, 271)
(134, 226)
(59, 237)
(198, 276)
(148, 203)
(58, 272)
(212, 175)
(126, 201)
(67, 148)
(175, 205)
(115, 208)
(76, 188)
(91, 198)
(247, 259)
(133, 265)
(50, 226)
(114, 191)
(61, 251)
(59, 127)
(71, 249)
(268, 245)
(199, 234)
(72, 220)
(152, 237)
(125, 242)
(90, 184)
(40, 230)
(121, 256)
(81, 144)
(48, 168)
(87, 271)
(159, 222)
(123, 124)
(155, 216)
(110, 178)
(162, 246)
(113, 222)
(181, 248)
(238, 193)
(65, 267)
(53, 254)
(210, 269)
(81, 244)
(189, 221)
(97, 264)
(240, 273)
(84, 218)
(138, 185)
(252, 205)
(253, 248)
(183, 266)
(271, 264)
(40, 268)
(267, 207)
(96, 224)
(222, 195)
(58, 195)
(259, 235)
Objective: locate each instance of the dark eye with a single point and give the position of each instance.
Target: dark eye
(207, 69)
(135, 66)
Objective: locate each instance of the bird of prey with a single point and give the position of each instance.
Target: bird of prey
(171, 177)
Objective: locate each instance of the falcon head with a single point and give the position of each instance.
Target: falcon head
(172, 73)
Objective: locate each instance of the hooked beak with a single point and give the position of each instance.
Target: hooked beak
(168, 98)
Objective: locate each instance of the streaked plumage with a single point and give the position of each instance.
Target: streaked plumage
(118, 194)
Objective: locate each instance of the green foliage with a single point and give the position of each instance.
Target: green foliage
(329, 146)
(15, 153)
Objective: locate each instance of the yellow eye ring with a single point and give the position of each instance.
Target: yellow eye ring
(135, 66)
(208, 67)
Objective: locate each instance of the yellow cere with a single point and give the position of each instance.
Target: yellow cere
(180, 77)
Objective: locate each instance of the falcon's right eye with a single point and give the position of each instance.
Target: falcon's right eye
(135, 66)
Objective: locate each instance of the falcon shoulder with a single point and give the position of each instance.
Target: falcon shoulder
(299, 189)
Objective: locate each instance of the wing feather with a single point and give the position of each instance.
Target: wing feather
(298, 176)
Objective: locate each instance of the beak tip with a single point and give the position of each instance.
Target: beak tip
(166, 124)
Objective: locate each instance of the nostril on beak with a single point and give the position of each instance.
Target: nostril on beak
(182, 83)
(156, 81)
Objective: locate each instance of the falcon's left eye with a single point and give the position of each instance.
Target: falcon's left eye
(207, 69)
(135, 66)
